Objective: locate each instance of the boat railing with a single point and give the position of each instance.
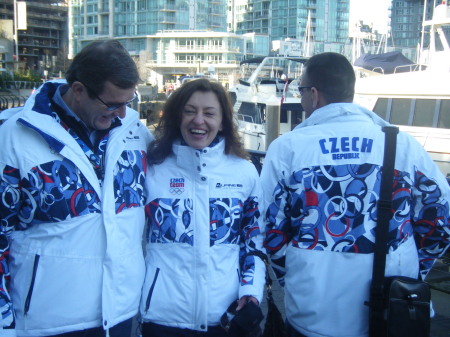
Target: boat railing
(378, 70)
(410, 68)
(402, 68)
(245, 118)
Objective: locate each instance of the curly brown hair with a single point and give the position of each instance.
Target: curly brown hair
(168, 129)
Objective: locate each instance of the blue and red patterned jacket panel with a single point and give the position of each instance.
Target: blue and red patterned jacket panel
(129, 180)
(331, 207)
(229, 223)
(57, 190)
(232, 221)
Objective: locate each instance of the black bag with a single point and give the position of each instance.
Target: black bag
(274, 325)
(399, 306)
(407, 307)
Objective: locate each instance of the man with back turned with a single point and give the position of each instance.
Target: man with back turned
(321, 184)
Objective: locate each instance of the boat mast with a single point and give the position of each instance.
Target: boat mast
(423, 33)
(307, 50)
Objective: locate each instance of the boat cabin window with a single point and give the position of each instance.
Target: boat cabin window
(283, 116)
(415, 112)
(400, 111)
(444, 114)
(381, 107)
(292, 114)
(424, 112)
(249, 112)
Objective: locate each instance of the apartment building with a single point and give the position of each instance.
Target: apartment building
(406, 25)
(42, 42)
(168, 38)
(406, 22)
(328, 20)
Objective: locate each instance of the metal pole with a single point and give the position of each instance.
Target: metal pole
(272, 122)
(16, 35)
(423, 33)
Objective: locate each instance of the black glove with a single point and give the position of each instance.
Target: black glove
(242, 323)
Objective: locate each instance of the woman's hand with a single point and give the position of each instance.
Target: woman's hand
(244, 300)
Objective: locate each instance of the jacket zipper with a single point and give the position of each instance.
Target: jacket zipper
(150, 292)
(30, 290)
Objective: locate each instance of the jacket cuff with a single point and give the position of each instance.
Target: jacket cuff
(251, 290)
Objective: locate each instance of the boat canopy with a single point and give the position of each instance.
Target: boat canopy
(386, 63)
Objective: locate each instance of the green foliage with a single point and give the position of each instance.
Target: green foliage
(6, 79)
(27, 75)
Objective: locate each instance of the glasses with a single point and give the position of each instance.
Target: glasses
(110, 107)
(300, 89)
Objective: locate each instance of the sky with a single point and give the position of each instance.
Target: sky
(370, 11)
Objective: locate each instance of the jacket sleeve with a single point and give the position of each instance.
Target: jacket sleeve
(9, 206)
(252, 267)
(431, 214)
(277, 219)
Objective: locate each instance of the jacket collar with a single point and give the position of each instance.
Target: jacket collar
(186, 155)
(335, 111)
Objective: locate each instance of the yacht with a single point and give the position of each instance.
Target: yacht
(418, 101)
(273, 81)
(269, 86)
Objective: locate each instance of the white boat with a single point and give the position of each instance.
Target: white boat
(274, 82)
(418, 101)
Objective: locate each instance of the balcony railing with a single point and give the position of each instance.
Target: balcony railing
(221, 49)
(193, 63)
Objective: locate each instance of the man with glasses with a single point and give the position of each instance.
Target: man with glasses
(321, 184)
(72, 171)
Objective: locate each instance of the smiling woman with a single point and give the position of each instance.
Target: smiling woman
(197, 103)
(203, 218)
(201, 119)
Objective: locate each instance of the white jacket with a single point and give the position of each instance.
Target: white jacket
(76, 259)
(321, 183)
(203, 218)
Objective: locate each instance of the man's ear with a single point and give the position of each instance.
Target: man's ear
(78, 89)
(318, 100)
(315, 96)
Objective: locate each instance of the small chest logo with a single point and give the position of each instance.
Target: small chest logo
(176, 185)
(229, 186)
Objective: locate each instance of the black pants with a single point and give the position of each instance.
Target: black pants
(120, 330)
(156, 330)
